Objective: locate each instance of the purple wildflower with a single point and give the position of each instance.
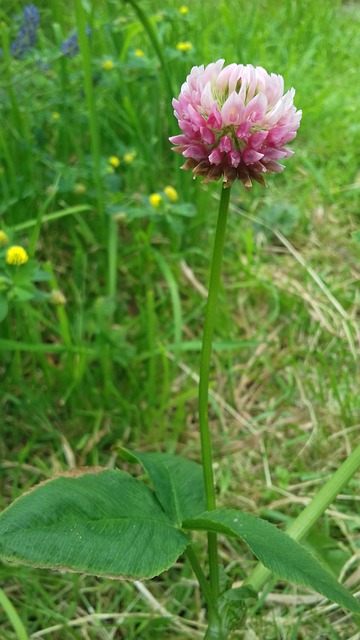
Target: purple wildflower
(31, 16)
(26, 38)
(70, 47)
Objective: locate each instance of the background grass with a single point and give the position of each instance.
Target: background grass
(117, 364)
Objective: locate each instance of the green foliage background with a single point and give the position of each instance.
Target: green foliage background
(117, 364)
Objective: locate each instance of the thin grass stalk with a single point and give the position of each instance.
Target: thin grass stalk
(112, 257)
(13, 617)
(155, 43)
(15, 113)
(90, 101)
(50, 217)
(10, 165)
(38, 221)
(164, 395)
(64, 139)
(35, 338)
(64, 325)
(150, 320)
(175, 302)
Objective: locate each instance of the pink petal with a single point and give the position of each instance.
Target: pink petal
(195, 117)
(273, 167)
(207, 98)
(222, 81)
(188, 129)
(250, 156)
(216, 156)
(195, 151)
(235, 78)
(225, 144)
(256, 139)
(251, 82)
(256, 108)
(214, 120)
(232, 110)
(207, 135)
(233, 158)
(274, 115)
(276, 154)
(179, 139)
(242, 132)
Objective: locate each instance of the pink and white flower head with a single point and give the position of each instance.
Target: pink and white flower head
(235, 122)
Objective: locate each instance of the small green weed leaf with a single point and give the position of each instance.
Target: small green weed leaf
(92, 520)
(187, 210)
(178, 483)
(24, 293)
(41, 276)
(277, 551)
(233, 607)
(282, 216)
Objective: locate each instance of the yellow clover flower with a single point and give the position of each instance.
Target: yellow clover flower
(139, 53)
(184, 10)
(16, 255)
(114, 161)
(55, 115)
(129, 157)
(184, 46)
(155, 200)
(108, 65)
(171, 193)
(4, 239)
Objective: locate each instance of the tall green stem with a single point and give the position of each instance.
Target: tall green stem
(303, 523)
(205, 436)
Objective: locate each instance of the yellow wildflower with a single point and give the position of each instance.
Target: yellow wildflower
(184, 46)
(139, 53)
(16, 255)
(55, 115)
(108, 65)
(129, 157)
(4, 239)
(184, 10)
(114, 161)
(171, 193)
(155, 200)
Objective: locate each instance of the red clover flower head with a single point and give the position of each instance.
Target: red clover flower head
(235, 122)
